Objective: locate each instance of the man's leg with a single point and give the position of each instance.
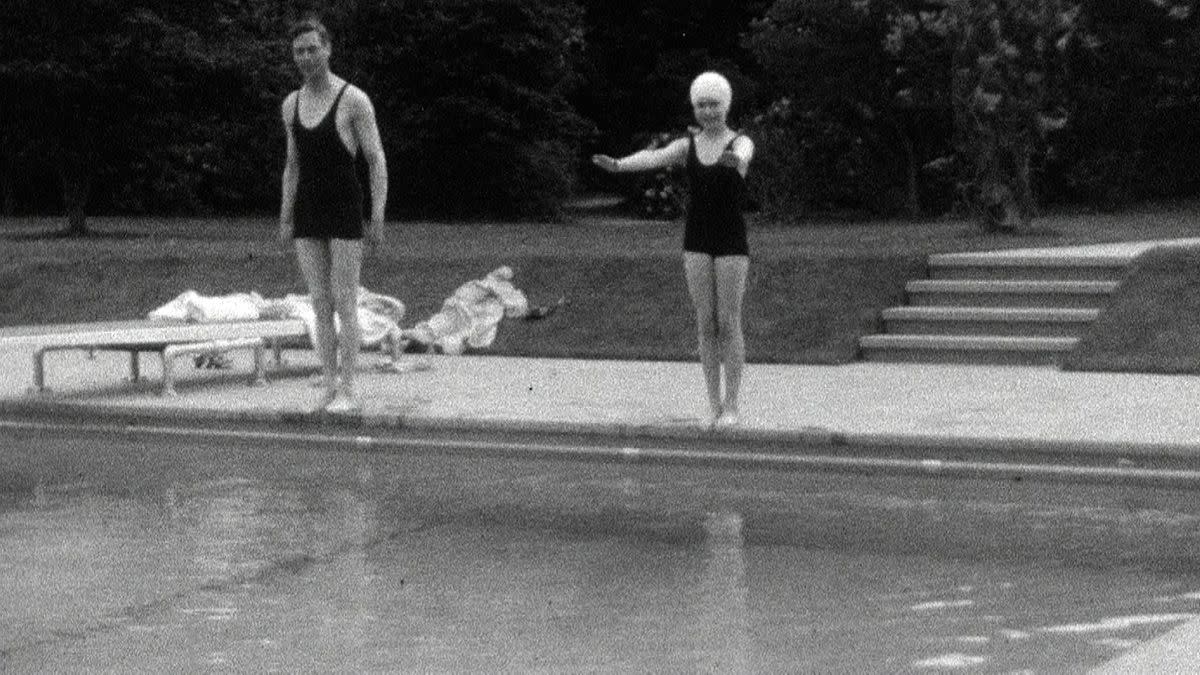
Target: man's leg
(346, 255)
(315, 263)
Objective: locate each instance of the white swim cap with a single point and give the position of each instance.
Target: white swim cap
(712, 85)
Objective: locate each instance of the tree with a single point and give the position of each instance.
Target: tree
(471, 99)
(638, 59)
(217, 128)
(871, 76)
(1008, 94)
(896, 70)
(108, 87)
(1132, 68)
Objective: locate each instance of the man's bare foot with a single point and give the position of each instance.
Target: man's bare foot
(343, 404)
(714, 414)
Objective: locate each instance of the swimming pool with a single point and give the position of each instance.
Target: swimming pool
(131, 551)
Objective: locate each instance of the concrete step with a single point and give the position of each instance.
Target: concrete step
(1006, 321)
(1027, 270)
(966, 349)
(1013, 267)
(987, 293)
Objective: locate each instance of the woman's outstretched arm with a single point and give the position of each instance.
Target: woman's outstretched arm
(645, 160)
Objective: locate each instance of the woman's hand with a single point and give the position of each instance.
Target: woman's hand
(374, 235)
(605, 162)
(730, 159)
(286, 229)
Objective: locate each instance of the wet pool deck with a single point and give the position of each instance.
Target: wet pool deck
(864, 404)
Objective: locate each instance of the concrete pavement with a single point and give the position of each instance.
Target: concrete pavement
(1121, 251)
(863, 404)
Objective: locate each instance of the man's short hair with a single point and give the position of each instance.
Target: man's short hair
(310, 25)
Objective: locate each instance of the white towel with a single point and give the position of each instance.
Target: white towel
(192, 307)
(379, 316)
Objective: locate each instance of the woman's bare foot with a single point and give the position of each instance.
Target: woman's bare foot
(326, 399)
(728, 418)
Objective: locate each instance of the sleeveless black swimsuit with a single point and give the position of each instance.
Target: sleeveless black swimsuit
(715, 224)
(329, 199)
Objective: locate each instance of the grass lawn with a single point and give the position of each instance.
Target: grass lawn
(813, 289)
(1152, 324)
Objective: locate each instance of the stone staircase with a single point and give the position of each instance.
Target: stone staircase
(1025, 308)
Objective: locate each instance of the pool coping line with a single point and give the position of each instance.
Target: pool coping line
(1122, 452)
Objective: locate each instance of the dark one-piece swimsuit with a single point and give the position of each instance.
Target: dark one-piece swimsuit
(329, 198)
(715, 224)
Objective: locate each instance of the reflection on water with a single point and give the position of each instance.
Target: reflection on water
(276, 559)
(723, 635)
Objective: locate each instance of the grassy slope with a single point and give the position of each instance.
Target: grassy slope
(812, 290)
(1152, 324)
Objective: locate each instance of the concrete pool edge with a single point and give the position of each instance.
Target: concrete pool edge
(1092, 452)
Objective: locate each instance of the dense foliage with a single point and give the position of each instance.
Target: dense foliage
(147, 100)
(472, 101)
(991, 105)
(489, 109)
(858, 114)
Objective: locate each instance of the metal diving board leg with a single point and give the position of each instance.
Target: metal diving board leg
(171, 352)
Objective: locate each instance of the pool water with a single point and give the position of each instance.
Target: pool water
(138, 554)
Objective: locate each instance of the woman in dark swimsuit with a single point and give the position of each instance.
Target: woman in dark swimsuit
(328, 123)
(715, 253)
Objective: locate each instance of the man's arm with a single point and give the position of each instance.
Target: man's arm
(291, 175)
(371, 146)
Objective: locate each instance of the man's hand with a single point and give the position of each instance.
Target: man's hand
(605, 162)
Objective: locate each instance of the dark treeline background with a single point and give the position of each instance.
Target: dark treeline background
(489, 108)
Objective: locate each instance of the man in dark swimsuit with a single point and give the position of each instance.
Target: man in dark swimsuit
(328, 123)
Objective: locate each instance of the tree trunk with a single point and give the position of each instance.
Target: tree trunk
(997, 201)
(77, 187)
(1026, 204)
(912, 196)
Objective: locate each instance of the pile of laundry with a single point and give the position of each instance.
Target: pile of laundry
(468, 319)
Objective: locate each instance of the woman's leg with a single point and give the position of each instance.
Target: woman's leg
(701, 286)
(346, 256)
(315, 263)
(730, 273)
